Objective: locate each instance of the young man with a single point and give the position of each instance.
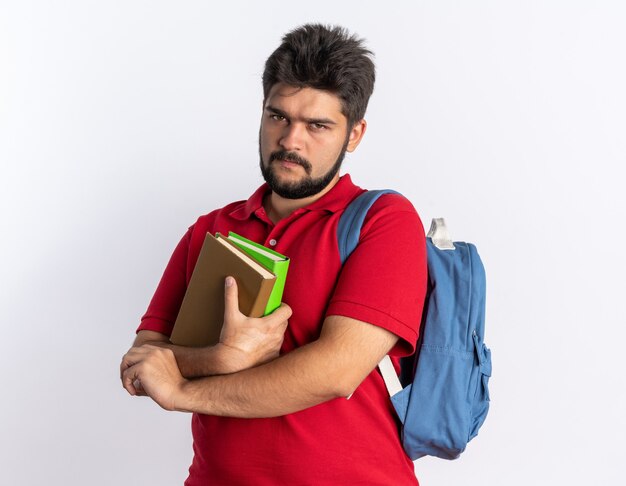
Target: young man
(269, 402)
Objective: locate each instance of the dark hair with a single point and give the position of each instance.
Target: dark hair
(327, 58)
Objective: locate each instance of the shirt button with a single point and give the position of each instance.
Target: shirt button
(273, 242)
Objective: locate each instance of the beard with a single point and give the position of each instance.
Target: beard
(304, 188)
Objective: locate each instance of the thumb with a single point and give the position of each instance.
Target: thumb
(231, 297)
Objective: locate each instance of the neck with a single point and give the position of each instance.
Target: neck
(278, 207)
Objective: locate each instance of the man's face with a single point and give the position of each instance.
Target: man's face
(303, 139)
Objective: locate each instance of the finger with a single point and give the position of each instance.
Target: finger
(231, 298)
(129, 377)
(126, 363)
(139, 391)
(123, 366)
(132, 357)
(283, 312)
(131, 366)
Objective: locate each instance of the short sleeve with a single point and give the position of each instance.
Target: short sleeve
(167, 299)
(383, 282)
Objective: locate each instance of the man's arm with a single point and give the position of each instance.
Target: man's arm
(331, 367)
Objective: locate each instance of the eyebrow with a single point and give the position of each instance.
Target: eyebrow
(323, 121)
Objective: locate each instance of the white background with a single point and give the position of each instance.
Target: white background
(122, 121)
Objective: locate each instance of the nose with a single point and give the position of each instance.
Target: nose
(292, 137)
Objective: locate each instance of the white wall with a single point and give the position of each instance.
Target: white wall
(122, 121)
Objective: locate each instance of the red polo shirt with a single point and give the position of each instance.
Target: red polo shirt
(383, 282)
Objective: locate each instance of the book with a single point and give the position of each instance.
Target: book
(201, 315)
(272, 260)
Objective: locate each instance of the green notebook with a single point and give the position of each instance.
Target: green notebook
(270, 259)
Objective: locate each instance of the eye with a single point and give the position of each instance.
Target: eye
(276, 117)
(318, 126)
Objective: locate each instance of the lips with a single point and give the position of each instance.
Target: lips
(289, 160)
(289, 163)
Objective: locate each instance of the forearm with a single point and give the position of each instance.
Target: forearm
(200, 362)
(196, 362)
(295, 381)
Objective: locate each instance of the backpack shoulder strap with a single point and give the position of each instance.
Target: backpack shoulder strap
(348, 233)
(351, 220)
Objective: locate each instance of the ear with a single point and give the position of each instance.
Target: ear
(356, 134)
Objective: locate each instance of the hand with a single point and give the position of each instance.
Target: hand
(250, 341)
(152, 370)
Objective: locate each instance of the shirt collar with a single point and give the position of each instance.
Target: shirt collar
(338, 197)
(334, 200)
(254, 203)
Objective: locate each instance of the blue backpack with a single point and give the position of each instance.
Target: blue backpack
(441, 396)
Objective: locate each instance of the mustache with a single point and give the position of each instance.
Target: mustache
(291, 157)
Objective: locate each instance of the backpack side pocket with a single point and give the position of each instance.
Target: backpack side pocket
(480, 403)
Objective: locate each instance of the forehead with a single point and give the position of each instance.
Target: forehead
(305, 102)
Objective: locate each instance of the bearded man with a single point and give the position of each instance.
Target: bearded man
(295, 397)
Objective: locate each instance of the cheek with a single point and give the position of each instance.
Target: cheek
(265, 142)
(329, 150)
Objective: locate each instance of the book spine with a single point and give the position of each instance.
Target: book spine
(279, 269)
(259, 305)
